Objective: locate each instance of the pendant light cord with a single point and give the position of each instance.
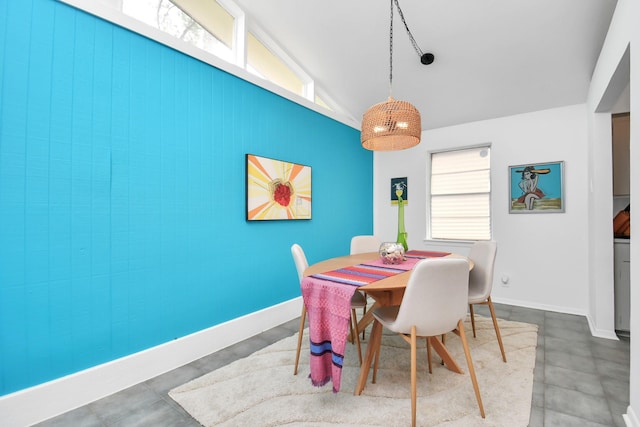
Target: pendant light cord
(425, 58)
(413, 41)
(391, 48)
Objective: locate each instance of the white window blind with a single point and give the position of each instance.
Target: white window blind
(461, 194)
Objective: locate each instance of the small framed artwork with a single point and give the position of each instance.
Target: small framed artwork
(536, 188)
(399, 188)
(277, 190)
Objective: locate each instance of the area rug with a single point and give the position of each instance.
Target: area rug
(261, 390)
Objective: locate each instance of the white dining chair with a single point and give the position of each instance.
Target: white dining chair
(483, 255)
(300, 260)
(358, 301)
(359, 245)
(364, 243)
(434, 303)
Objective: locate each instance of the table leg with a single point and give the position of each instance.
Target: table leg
(373, 347)
(445, 355)
(365, 320)
(382, 299)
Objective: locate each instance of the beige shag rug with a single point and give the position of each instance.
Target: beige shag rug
(261, 390)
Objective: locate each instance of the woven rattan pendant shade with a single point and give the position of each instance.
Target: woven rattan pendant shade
(391, 125)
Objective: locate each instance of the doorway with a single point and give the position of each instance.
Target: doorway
(620, 139)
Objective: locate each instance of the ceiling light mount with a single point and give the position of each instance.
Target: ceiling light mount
(427, 58)
(393, 125)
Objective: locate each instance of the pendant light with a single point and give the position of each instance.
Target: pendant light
(393, 125)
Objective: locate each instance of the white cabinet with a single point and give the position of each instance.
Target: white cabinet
(621, 284)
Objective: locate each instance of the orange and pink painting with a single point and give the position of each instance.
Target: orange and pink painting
(277, 190)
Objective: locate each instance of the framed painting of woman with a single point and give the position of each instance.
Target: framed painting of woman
(536, 188)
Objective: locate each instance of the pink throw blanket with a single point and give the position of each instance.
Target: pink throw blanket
(328, 310)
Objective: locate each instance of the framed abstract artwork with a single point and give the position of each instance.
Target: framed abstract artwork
(536, 188)
(399, 188)
(277, 190)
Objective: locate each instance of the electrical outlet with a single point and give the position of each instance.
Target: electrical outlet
(504, 279)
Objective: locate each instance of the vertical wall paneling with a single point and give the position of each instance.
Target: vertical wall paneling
(122, 193)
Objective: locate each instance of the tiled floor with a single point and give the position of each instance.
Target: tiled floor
(578, 380)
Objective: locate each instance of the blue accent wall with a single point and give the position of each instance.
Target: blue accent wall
(122, 193)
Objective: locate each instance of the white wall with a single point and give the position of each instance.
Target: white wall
(633, 413)
(617, 65)
(576, 250)
(601, 313)
(609, 81)
(544, 255)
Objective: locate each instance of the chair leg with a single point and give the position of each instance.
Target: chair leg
(355, 333)
(495, 326)
(303, 316)
(429, 355)
(472, 372)
(374, 377)
(377, 358)
(443, 338)
(351, 338)
(473, 320)
(364, 311)
(414, 378)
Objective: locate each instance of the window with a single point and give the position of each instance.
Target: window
(213, 32)
(322, 103)
(461, 194)
(212, 16)
(216, 27)
(264, 63)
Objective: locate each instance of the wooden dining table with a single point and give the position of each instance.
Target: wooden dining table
(385, 292)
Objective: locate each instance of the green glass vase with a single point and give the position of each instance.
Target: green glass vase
(402, 233)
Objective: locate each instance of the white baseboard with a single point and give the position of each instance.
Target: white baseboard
(599, 333)
(630, 418)
(545, 307)
(47, 400)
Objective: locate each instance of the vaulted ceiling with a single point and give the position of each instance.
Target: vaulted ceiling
(493, 58)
